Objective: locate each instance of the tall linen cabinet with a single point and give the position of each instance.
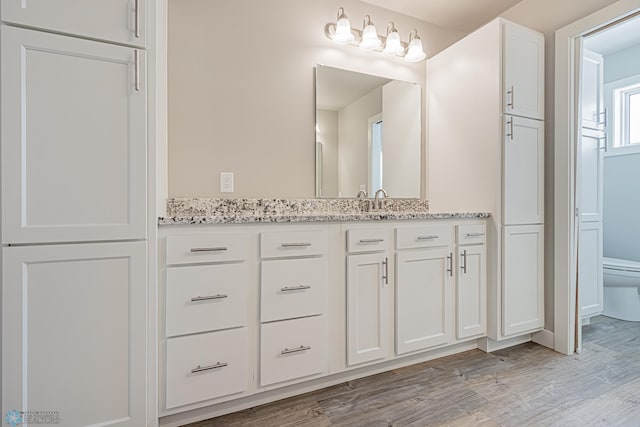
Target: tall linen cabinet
(74, 211)
(486, 152)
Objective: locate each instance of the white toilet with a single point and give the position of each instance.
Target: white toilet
(622, 289)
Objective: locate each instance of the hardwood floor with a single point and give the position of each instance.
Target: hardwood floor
(527, 385)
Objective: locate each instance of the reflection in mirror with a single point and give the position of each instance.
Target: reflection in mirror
(368, 135)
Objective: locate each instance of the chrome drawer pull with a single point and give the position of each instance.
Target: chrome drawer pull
(295, 288)
(295, 245)
(427, 237)
(210, 297)
(371, 240)
(296, 350)
(208, 368)
(475, 234)
(217, 249)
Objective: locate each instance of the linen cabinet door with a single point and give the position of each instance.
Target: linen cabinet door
(424, 296)
(121, 21)
(74, 332)
(73, 139)
(367, 308)
(471, 292)
(523, 178)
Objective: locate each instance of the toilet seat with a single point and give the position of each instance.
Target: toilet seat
(621, 265)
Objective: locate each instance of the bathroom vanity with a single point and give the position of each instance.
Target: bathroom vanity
(264, 299)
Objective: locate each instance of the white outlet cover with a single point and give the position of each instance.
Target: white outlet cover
(226, 182)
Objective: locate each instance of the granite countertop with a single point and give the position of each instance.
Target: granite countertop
(248, 211)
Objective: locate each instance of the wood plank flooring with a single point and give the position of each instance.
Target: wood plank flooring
(527, 385)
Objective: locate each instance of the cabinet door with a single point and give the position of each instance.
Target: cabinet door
(523, 62)
(471, 292)
(74, 332)
(121, 21)
(590, 269)
(424, 295)
(367, 308)
(73, 139)
(523, 179)
(522, 279)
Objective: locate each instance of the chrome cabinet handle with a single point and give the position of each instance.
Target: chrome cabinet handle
(427, 237)
(295, 350)
(208, 368)
(295, 288)
(295, 245)
(510, 95)
(371, 240)
(464, 262)
(510, 130)
(136, 32)
(216, 249)
(136, 60)
(210, 297)
(385, 274)
(475, 234)
(450, 267)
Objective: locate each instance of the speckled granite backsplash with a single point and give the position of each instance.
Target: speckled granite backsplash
(189, 207)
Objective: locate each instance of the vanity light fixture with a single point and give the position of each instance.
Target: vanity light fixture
(368, 39)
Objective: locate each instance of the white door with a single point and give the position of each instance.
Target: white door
(367, 308)
(74, 332)
(73, 139)
(121, 21)
(471, 292)
(590, 269)
(522, 279)
(523, 179)
(523, 59)
(424, 295)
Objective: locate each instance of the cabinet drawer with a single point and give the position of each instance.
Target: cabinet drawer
(206, 298)
(471, 234)
(366, 240)
(427, 236)
(279, 244)
(206, 366)
(204, 248)
(292, 349)
(292, 288)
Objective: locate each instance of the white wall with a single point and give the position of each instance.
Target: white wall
(328, 137)
(241, 88)
(548, 16)
(622, 64)
(353, 134)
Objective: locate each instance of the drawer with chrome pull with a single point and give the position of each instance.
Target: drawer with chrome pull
(282, 244)
(367, 239)
(291, 288)
(206, 366)
(426, 236)
(292, 349)
(471, 234)
(206, 298)
(207, 248)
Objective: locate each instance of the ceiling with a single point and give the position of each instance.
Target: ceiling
(462, 15)
(336, 88)
(616, 38)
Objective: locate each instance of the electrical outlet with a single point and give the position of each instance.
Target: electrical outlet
(226, 182)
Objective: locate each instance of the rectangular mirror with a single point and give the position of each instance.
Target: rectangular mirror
(368, 134)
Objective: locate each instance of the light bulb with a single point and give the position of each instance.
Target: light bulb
(393, 46)
(370, 38)
(414, 51)
(343, 34)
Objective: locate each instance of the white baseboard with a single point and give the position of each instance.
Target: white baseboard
(545, 338)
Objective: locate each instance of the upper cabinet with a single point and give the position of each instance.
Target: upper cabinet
(73, 139)
(118, 21)
(523, 68)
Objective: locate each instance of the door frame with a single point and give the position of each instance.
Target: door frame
(568, 44)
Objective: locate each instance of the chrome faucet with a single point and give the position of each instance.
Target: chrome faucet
(377, 202)
(361, 193)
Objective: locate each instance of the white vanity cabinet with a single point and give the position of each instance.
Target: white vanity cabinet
(424, 287)
(118, 21)
(471, 281)
(495, 162)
